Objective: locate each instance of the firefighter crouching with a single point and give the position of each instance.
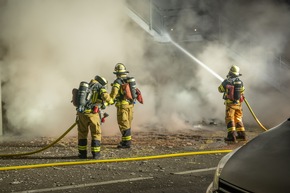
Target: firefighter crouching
(123, 105)
(233, 90)
(92, 98)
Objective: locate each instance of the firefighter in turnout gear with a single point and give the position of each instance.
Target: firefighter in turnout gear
(89, 117)
(233, 90)
(123, 105)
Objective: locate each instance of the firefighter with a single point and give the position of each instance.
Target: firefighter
(89, 117)
(233, 90)
(124, 106)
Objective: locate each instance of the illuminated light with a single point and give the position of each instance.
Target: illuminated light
(195, 59)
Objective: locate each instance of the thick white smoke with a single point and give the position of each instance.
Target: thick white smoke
(50, 46)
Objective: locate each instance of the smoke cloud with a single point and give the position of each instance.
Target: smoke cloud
(49, 46)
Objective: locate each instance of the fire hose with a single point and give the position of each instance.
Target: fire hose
(253, 114)
(114, 160)
(42, 149)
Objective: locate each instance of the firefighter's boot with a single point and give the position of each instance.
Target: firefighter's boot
(241, 136)
(96, 155)
(82, 154)
(126, 139)
(82, 147)
(96, 148)
(124, 144)
(231, 137)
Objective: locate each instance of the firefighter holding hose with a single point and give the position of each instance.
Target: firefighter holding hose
(91, 98)
(232, 88)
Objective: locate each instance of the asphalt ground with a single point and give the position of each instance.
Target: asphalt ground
(189, 173)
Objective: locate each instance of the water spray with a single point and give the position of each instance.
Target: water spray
(196, 60)
(214, 74)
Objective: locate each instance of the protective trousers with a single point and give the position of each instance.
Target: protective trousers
(124, 119)
(234, 116)
(88, 122)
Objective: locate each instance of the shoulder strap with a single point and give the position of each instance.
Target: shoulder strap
(120, 81)
(95, 86)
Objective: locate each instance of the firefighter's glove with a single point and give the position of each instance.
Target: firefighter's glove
(111, 102)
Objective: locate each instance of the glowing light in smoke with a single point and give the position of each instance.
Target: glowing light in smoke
(196, 60)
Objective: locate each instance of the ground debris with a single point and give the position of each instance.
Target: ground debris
(144, 143)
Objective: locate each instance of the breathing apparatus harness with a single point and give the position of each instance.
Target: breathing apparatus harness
(233, 89)
(127, 89)
(85, 94)
(84, 99)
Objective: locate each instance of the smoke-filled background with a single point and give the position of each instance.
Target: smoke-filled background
(49, 46)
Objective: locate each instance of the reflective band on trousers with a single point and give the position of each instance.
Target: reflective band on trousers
(82, 147)
(96, 149)
(127, 138)
(231, 129)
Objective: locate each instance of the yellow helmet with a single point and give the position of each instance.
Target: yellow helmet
(235, 70)
(120, 69)
(101, 80)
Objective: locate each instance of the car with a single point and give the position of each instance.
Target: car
(262, 165)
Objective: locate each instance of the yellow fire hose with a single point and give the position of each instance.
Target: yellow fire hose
(37, 151)
(112, 160)
(252, 112)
